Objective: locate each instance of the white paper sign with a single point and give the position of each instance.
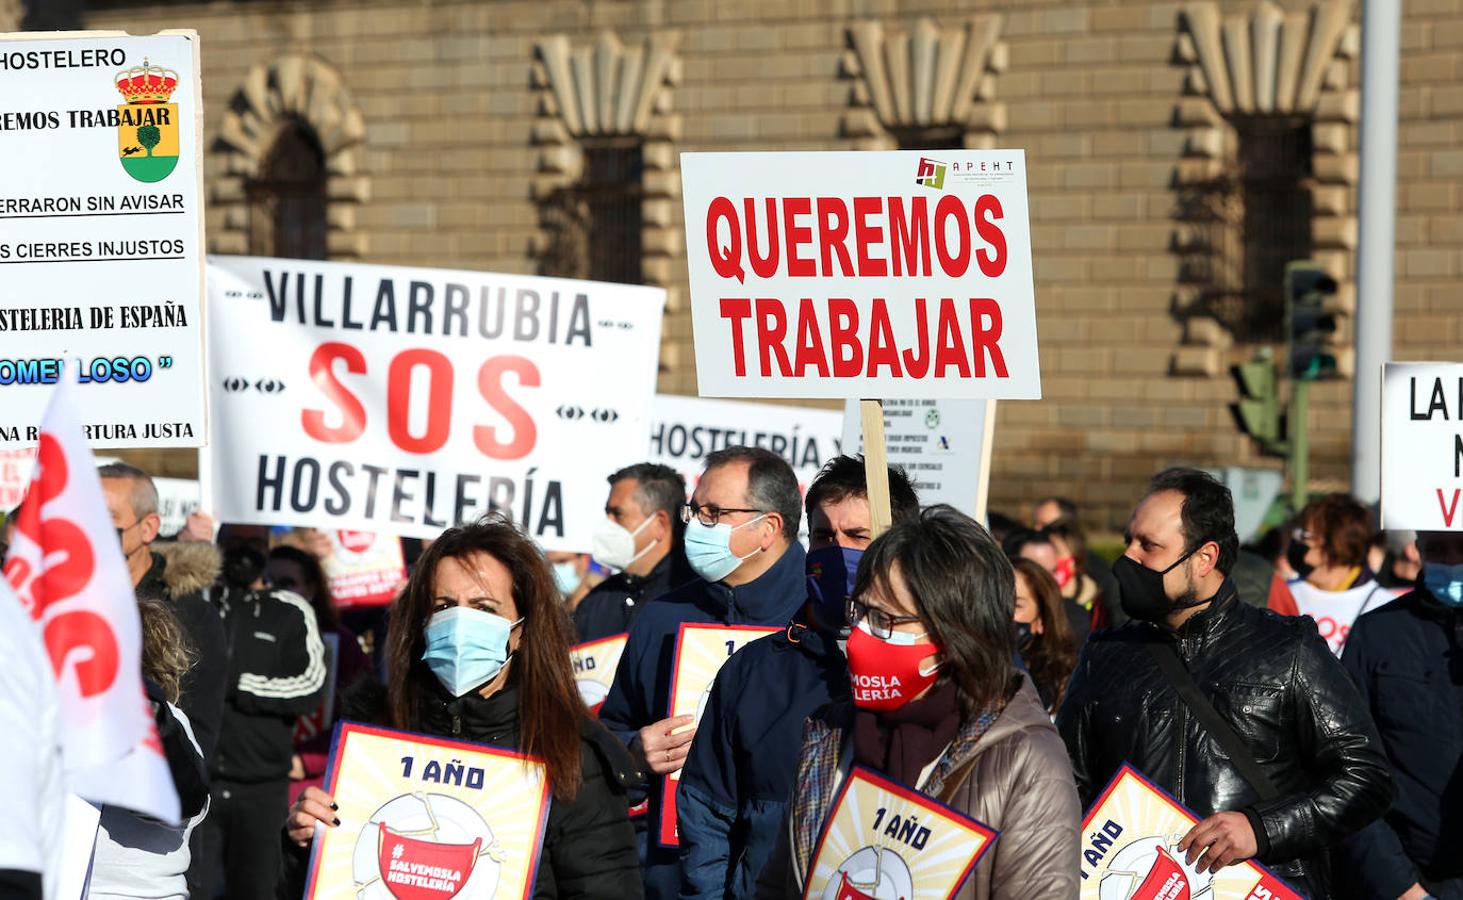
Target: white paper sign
(940, 445)
(1422, 446)
(684, 430)
(403, 400)
(101, 236)
(860, 274)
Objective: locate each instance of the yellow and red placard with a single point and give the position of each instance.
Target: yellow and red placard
(595, 663)
(422, 818)
(1130, 851)
(701, 651)
(882, 839)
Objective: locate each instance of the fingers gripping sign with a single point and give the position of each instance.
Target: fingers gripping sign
(314, 809)
(1221, 840)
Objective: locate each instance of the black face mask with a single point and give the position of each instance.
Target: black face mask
(1141, 589)
(1023, 635)
(1295, 554)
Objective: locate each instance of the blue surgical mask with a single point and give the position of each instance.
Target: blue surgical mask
(567, 577)
(708, 549)
(831, 573)
(466, 647)
(1444, 582)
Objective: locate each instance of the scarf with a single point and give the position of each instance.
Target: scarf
(902, 742)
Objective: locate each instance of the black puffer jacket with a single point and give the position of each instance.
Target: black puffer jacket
(1275, 681)
(589, 845)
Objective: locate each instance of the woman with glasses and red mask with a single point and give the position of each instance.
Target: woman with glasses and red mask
(937, 706)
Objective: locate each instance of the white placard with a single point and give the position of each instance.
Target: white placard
(861, 274)
(1422, 446)
(403, 400)
(101, 238)
(684, 430)
(940, 444)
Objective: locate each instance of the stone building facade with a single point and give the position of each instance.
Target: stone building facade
(1177, 152)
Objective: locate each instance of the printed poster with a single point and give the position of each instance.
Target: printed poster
(1422, 446)
(101, 236)
(595, 663)
(365, 568)
(943, 446)
(884, 840)
(701, 651)
(1130, 851)
(424, 818)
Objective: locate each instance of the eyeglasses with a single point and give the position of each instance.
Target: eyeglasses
(709, 515)
(880, 623)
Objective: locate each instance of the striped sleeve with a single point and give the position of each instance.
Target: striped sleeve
(289, 680)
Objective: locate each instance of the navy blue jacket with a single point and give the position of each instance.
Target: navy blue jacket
(1407, 659)
(744, 760)
(640, 694)
(614, 603)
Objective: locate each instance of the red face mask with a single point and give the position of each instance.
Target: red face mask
(886, 675)
(1066, 571)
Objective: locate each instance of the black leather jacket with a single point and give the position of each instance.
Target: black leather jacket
(1275, 681)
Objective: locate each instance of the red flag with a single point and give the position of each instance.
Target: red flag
(67, 568)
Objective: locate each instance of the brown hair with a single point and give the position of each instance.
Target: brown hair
(550, 710)
(166, 654)
(1050, 657)
(1071, 534)
(1343, 527)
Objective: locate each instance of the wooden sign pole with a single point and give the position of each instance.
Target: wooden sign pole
(876, 466)
(987, 444)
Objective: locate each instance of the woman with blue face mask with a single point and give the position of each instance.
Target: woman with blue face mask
(479, 651)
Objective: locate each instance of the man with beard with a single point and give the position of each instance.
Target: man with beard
(1241, 714)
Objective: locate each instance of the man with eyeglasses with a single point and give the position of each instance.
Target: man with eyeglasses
(743, 762)
(741, 541)
(1242, 715)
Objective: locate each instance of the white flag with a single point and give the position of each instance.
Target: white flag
(66, 565)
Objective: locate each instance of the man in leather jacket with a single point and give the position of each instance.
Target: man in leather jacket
(1272, 679)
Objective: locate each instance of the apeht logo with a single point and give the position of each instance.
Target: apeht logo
(931, 173)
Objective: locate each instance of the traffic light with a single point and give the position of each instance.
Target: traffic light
(1314, 314)
(1258, 411)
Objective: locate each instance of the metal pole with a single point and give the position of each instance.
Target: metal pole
(1300, 445)
(1381, 28)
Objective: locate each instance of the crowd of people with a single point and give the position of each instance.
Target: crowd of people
(1302, 695)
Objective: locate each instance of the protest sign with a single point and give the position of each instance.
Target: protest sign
(943, 446)
(701, 651)
(405, 400)
(427, 817)
(595, 663)
(101, 235)
(1130, 849)
(683, 430)
(1422, 446)
(882, 839)
(364, 568)
(859, 274)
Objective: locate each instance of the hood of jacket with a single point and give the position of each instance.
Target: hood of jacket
(186, 566)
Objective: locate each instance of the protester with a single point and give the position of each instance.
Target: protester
(572, 575)
(178, 574)
(741, 540)
(292, 569)
(1405, 659)
(1043, 632)
(480, 648)
(33, 790)
(1328, 552)
(743, 762)
(1400, 564)
(1051, 510)
(931, 611)
(277, 673)
(1037, 547)
(641, 541)
(1291, 765)
(136, 855)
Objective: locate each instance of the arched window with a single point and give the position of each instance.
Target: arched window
(287, 199)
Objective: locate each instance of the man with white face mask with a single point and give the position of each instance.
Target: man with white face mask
(741, 540)
(641, 540)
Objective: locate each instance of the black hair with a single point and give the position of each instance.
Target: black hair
(964, 591)
(1066, 509)
(845, 476)
(1001, 525)
(1207, 513)
(771, 484)
(657, 488)
(1021, 538)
